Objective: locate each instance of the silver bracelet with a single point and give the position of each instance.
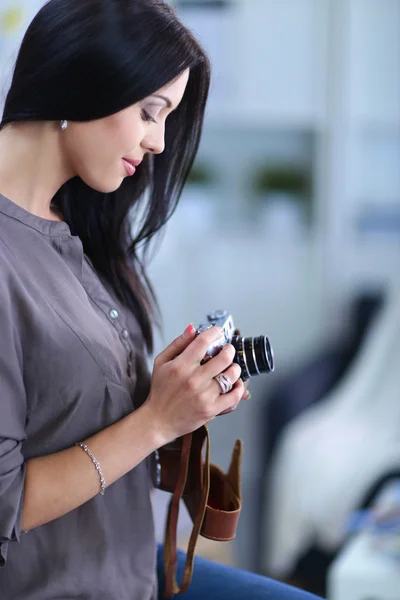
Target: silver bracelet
(97, 466)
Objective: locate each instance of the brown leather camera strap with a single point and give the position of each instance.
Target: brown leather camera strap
(170, 545)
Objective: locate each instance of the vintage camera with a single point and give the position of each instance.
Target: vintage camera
(254, 355)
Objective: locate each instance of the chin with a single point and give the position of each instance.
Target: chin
(102, 186)
(111, 188)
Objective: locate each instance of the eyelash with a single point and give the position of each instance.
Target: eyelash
(148, 118)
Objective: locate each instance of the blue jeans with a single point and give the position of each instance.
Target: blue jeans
(212, 581)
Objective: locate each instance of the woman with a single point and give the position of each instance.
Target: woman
(106, 103)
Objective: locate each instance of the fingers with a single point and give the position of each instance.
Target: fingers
(226, 412)
(220, 362)
(246, 394)
(196, 351)
(233, 373)
(230, 401)
(195, 347)
(176, 347)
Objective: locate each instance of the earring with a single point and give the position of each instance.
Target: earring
(64, 124)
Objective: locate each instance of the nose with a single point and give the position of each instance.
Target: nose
(154, 141)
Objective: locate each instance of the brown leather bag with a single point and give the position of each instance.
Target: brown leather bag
(213, 499)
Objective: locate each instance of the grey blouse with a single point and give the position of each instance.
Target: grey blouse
(72, 362)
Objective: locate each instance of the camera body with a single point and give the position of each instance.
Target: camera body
(253, 355)
(219, 318)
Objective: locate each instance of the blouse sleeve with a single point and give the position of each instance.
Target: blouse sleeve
(12, 423)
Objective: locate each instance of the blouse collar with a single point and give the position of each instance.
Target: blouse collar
(45, 226)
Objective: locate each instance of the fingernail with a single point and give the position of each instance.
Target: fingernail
(247, 396)
(189, 331)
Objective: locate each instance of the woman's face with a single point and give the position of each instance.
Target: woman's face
(99, 151)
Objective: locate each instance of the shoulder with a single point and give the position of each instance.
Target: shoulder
(8, 259)
(12, 286)
(7, 267)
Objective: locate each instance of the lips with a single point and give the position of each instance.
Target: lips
(129, 167)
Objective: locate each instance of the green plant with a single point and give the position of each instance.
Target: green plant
(288, 179)
(201, 174)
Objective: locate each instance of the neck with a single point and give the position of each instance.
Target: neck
(33, 166)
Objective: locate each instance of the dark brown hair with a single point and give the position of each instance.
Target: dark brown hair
(86, 59)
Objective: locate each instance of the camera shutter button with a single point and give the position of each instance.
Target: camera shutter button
(217, 314)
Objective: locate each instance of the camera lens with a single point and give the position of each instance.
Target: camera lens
(253, 355)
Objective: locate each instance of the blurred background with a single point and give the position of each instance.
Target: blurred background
(291, 221)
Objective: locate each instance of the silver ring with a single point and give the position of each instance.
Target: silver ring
(224, 383)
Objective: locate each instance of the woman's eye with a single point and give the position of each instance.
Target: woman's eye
(147, 117)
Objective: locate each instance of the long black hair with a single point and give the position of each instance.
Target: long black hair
(87, 59)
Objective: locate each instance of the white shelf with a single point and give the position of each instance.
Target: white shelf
(287, 87)
(240, 118)
(374, 61)
(378, 125)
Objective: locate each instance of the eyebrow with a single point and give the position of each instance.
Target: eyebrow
(166, 100)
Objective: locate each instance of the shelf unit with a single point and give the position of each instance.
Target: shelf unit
(320, 70)
(318, 80)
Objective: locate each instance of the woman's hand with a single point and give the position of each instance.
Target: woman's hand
(184, 394)
(246, 394)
